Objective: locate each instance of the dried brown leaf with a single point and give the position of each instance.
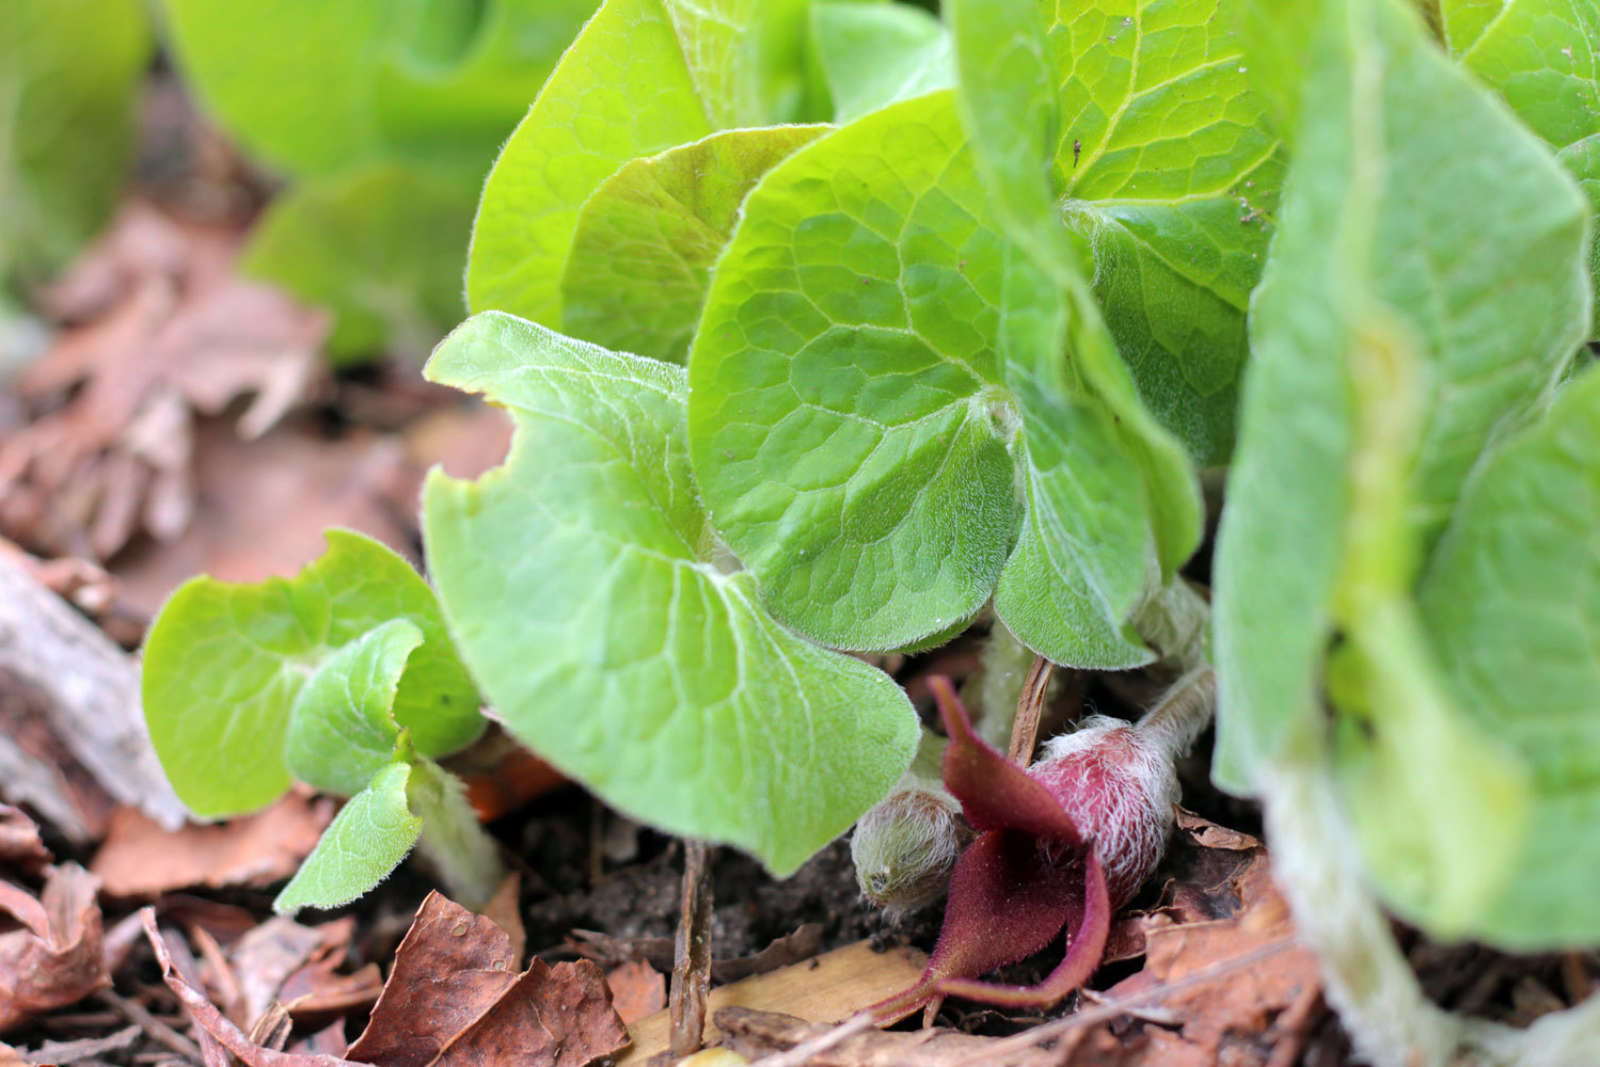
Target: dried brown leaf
(453, 997)
(165, 329)
(637, 990)
(217, 1031)
(449, 970)
(1222, 1020)
(263, 506)
(20, 844)
(557, 1016)
(139, 858)
(56, 957)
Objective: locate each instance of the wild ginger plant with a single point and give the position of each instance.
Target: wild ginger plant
(965, 336)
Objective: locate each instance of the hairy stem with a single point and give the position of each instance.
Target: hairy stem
(453, 841)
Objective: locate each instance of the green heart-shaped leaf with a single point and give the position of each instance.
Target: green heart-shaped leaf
(220, 732)
(1133, 121)
(643, 77)
(592, 601)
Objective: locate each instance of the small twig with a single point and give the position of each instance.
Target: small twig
(1575, 977)
(691, 966)
(1117, 1008)
(1294, 1026)
(859, 1023)
(1030, 706)
(1158, 1016)
(159, 1031)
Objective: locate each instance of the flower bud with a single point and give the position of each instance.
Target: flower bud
(1119, 787)
(905, 846)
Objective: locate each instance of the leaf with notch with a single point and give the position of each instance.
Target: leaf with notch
(361, 847)
(1083, 563)
(581, 580)
(641, 255)
(849, 421)
(644, 76)
(225, 662)
(871, 350)
(1134, 122)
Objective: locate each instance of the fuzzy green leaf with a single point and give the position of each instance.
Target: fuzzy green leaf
(439, 82)
(1083, 561)
(642, 252)
(1512, 602)
(1134, 121)
(380, 246)
(874, 55)
(849, 421)
(1543, 57)
(1387, 254)
(69, 71)
(869, 364)
(643, 77)
(583, 584)
(361, 847)
(341, 728)
(225, 662)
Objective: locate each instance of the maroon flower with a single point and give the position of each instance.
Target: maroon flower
(1060, 846)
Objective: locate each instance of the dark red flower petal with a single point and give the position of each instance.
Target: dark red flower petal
(1086, 945)
(980, 933)
(995, 793)
(1007, 901)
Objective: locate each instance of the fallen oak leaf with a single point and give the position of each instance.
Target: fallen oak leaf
(557, 1016)
(450, 968)
(216, 1027)
(453, 997)
(57, 957)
